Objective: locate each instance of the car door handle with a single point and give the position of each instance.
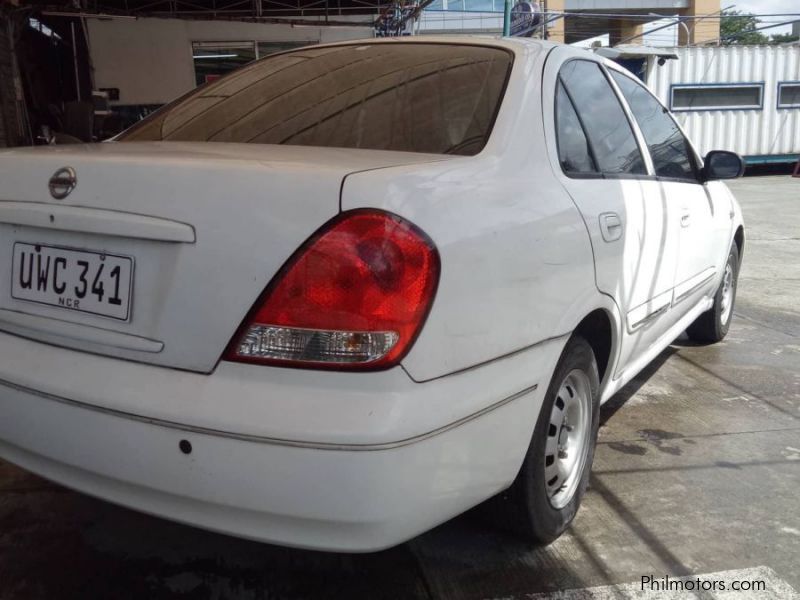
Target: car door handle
(686, 219)
(610, 226)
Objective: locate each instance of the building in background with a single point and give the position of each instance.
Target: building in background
(740, 98)
(146, 62)
(620, 19)
(78, 71)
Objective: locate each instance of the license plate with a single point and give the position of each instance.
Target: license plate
(80, 280)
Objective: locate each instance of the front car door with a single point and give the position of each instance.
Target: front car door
(602, 161)
(703, 221)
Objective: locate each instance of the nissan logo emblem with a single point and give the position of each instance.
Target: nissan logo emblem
(62, 183)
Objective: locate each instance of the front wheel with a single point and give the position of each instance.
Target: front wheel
(547, 492)
(712, 326)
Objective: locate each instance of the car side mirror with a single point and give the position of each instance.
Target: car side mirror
(721, 164)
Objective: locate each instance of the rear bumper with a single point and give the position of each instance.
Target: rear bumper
(323, 460)
(328, 499)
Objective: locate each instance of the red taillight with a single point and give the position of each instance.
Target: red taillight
(354, 296)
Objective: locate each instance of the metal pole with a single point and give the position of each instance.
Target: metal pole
(507, 19)
(75, 62)
(544, 19)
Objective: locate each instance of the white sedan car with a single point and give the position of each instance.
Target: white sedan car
(350, 291)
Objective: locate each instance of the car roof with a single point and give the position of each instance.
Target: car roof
(515, 44)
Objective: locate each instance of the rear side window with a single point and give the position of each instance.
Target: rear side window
(668, 147)
(573, 147)
(606, 125)
(437, 98)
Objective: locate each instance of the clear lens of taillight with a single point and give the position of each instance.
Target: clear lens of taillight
(354, 296)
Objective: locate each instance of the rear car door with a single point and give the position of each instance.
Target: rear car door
(602, 164)
(702, 226)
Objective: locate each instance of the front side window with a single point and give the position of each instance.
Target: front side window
(606, 125)
(413, 97)
(668, 147)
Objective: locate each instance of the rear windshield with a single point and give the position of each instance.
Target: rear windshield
(413, 97)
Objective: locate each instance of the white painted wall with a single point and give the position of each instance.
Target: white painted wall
(150, 60)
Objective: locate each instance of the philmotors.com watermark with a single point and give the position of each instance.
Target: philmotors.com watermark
(699, 584)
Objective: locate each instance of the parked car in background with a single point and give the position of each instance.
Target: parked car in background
(350, 291)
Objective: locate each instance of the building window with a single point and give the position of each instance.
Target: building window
(467, 5)
(212, 60)
(479, 5)
(789, 94)
(267, 48)
(733, 96)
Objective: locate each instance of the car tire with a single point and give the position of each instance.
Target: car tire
(537, 506)
(712, 326)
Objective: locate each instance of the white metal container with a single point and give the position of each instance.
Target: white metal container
(764, 132)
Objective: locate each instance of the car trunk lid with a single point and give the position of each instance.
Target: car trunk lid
(197, 230)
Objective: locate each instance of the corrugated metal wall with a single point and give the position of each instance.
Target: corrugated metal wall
(768, 131)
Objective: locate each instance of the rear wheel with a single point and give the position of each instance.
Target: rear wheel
(712, 326)
(548, 490)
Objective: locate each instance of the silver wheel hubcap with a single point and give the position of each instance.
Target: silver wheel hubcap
(727, 294)
(567, 439)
